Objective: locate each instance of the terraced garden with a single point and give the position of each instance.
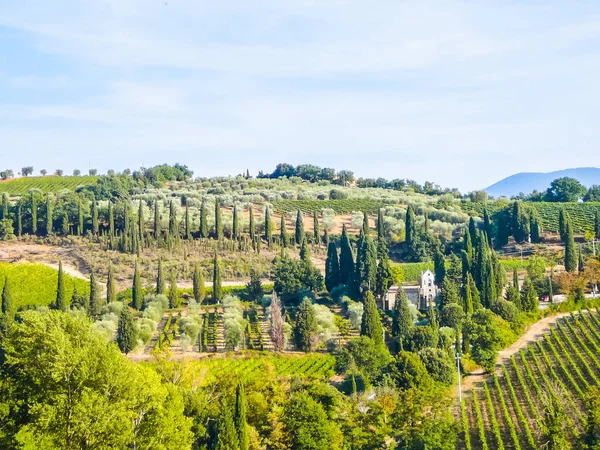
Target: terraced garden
(508, 411)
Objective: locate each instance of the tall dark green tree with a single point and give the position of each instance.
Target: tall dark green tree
(160, 279)
(203, 221)
(316, 228)
(467, 295)
(332, 267)
(34, 212)
(299, 236)
(5, 202)
(218, 220)
(19, 220)
(235, 233)
(111, 291)
(95, 301)
(473, 230)
(141, 225)
(305, 331)
(126, 334)
(365, 225)
(597, 224)
(562, 224)
(111, 220)
(252, 228)
(80, 218)
(580, 262)
(156, 227)
(95, 224)
(550, 290)
(239, 418)
(487, 226)
(520, 222)
(188, 225)
(137, 296)
(173, 297)
(410, 225)
(61, 303)
(283, 237)
(268, 227)
(198, 284)
(383, 277)
(439, 267)
(8, 306)
(49, 215)
(468, 247)
(227, 437)
(172, 220)
(366, 265)
(570, 249)
(402, 318)
(346, 258)
(371, 320)
(529, 297)
(504, 228)
(217, 289)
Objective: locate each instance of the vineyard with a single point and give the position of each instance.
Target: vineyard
(20, 186)
(345, 206)
(35, 284)
(559, 369)
(260, 367)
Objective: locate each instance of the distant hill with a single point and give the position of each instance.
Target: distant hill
(526, 182)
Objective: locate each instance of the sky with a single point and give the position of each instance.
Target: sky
(460, 93)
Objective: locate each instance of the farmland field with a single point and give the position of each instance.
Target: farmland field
(20, 186)
(560, 367)
(345, 206)
(35, 284)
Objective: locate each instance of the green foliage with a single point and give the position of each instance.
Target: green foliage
(198, 284)
(570, 249)
(345, 206)
(20, 186)
(217, 293)
(305, 331)
(402, 322)
(239, 417)
(126, 334)
(371, 321)
(346, 258)
(8, 307)
(362, 354)
(408, 372)
(332, 268)
(137, 295)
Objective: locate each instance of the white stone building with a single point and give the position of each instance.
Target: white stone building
(420, 295)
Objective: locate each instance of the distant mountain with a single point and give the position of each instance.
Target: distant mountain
(526, 182)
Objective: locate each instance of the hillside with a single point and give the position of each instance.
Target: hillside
(527, 182)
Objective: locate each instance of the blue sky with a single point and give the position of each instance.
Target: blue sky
(459, 93)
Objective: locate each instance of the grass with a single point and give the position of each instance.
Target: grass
(20, 186)
(34, 285)
(345, 206)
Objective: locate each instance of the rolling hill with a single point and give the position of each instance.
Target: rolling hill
(526, 182)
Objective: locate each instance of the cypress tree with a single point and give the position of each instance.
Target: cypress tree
(80, 218)
(562, 224)
(160, 279)
(474, 292)
(402, 318)
(239, 418)
(488, 293)
(111, 220)
(141, 225)
(580, 264)
(19, 220)
(597, 224)
(570, 249)
(534, 227)
(316, 229)
(325, 236)
(383, 277)
(365, 225)
(305, 331)
(503, 229)
(188, 228)
(283, 237)
(468, 247)
(346, 258)
(332, 268)
(61, 302)
(172, 220)
(95, 224)
(126, 334)
(371, 321)
(173, 299)
(487, 226)
(472, 230)
(499, 275)
(198, 284)
(235, 224)
(48, 215)
(516, 280)
(366, 265)
(7, 299)
(111, 291)
(137, 299)
(218, 221)
(410, 225)
(5, 200)
(203, 221)
(156, 227)
(227, 437)
(467, 297)
(94, 301)
(550, 289)
(268, 227)
(479, 272)
(217, 290)
(299, 236)
(426, 221)
(252, 227)
(439, 267)
(34, 211)
(529, 297)
(305, 252)
(380, 225)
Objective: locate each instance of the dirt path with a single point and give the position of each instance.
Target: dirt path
(533, 333)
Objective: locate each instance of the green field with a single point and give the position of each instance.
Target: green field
(35, 284)
(345, 206)
(20, 186)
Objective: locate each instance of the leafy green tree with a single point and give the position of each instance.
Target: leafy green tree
(126, 334)
(173, 297)
(239, 418)
(410, 225)
(61, 303)
(565, 189)
(520, 223)
(307, 426)
(283, 237)
(111, 291)
(332, 267)
(254, 287)
(198, 284)
(402, 322)
(95, 301)
(288, 278)
(8, 306)
(305, 331)
(448, 293)
(452, 316)
(529, 297)
(299, 235)
(485, 337)
(346, 258)
(407, 372)
(137, 296)
(504, 228)
(363, 355)
(371, 320)
(217, 289)
(438, 364)
(570, 249)
(160, 279)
